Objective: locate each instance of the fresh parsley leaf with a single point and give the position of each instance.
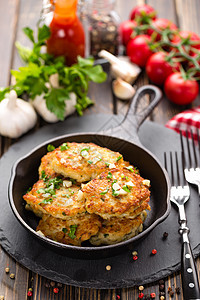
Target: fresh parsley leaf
(43, 33)
(29, 33)
(72, 232)
(50, 148)
(24, 52)
(55, 101)
(95, 74)
(3, 93)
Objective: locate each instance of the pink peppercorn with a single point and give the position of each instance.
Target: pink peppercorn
(154, 251)
(117, 297)
(135, 257)
(55, 290)
(153, 295)
(141, 295)
(29, 294)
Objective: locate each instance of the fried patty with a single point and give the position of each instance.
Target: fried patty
(73, 231)
(45, 165)
(56, 197)
(116, 230)
(116, 193)
(83, 161)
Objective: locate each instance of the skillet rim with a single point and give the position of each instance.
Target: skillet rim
(82, 249)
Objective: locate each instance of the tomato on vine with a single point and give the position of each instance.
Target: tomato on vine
(189, 40)
(159, 66)
(138, 49)
(181, 90)
(143, 11)
(126, 29)
(161, 24)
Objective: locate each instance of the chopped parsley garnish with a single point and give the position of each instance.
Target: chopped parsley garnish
(46, 201)
(64, 147)
(126, 189)
(127, 178)
(118, 158)
(132, 169)
(72, 231)
(90, 162)
(109, 175)
(104, 192)
(72, 180)
(114, 192)
(64, 230)
(50, 186)
(63, 213)
(44, 176)
(50, 148)
(107, 164)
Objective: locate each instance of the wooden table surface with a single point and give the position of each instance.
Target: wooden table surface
(16, 14)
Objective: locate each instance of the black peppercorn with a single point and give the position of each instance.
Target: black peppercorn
(165, 235)
(178, 290)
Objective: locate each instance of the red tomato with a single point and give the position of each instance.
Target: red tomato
(138, 49)
(159, 67)
(161, 24)
(126, 29)
(143, 10)
(191, 36)
(179, 90)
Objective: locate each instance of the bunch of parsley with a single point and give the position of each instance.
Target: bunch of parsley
(31, 79)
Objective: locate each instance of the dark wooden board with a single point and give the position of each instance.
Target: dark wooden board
(92, 273)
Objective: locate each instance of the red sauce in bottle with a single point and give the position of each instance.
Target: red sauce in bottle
(67, 34)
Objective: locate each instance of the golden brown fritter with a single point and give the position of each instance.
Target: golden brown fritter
(73, 231)
(57, 197)
(116, 193)
(45, 165)
(84, 161)
(116, 230)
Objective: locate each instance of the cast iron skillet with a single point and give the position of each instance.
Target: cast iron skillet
(124, 139)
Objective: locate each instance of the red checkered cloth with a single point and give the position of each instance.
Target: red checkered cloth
(186, 121)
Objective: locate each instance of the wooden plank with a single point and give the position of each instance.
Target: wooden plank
(8, 21)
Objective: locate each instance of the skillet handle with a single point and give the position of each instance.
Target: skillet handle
(137, 117)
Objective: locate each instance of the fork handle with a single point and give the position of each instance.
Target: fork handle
(190, 282)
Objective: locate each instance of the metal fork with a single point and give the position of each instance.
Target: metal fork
(180, 194)
(191, 153)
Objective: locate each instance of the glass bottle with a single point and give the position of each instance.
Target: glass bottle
(67, 33)
(103, 23)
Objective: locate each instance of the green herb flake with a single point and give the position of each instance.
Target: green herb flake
(50, 148)
(127, 178)
(126, 189)
(64, 147)
(72, 232)
(109, 175)
(64, 230)
(46, 201)
(107, 164)
(90, 162)
(130, 168)
(119, 157)
(104, 192)
(63, 213)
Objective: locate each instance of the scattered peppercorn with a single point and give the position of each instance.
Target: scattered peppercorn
(47, 284)
(162, 293)
(169, 289)
(141, 295)
(29, 294)
(171, 293)
(153, 295)
(135, 257)
(154, 251)
(165, 235)
(141, 288)
(108, 267)
(118, 297)
(30, 289)
(162, 297)
(134, 253)
(161, 287)
(178, 290)
(59, 285)
(12, 276)
(52, 283)
(56, 290)
(7, 270)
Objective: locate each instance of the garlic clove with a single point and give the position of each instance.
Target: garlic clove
(121, 67)
(122, 89)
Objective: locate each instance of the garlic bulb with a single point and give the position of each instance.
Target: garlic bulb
(122, 89)
(39, 102)
(16, 116)
(121, 67)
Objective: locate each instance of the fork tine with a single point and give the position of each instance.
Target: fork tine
(193, 145)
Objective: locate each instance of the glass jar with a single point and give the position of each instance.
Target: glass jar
(103, 23)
